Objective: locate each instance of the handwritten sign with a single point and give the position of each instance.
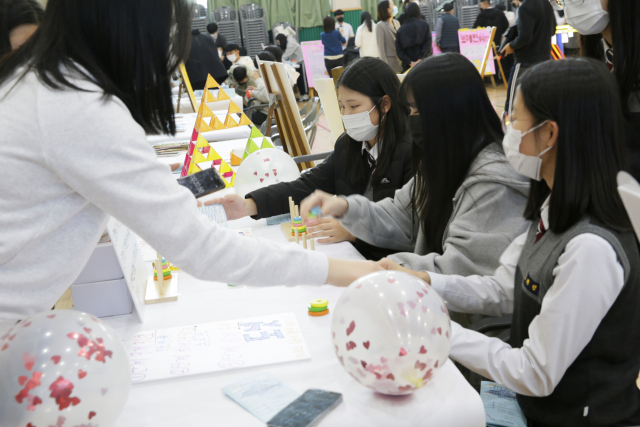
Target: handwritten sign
(129, 254)
(434, 46)
(213, 347)
(473, 45)
(313, 53)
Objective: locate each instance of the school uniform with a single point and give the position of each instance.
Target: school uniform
(574, 350)
(331, 176)
(346, 30)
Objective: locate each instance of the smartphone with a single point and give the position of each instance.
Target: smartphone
(203, 182)
(307, 410)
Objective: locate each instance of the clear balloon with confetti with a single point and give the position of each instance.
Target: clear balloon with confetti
(391, 332)
(62, 368)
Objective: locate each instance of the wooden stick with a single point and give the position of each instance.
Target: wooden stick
(313, 245)
(159, 275)
(297, 211)
(297, 235)
(304, 240)
(291, 210)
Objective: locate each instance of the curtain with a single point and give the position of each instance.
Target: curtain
(371, 6)
(301, 13)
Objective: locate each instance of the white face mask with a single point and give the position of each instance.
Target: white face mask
(586, 16)
(231, 58)
(395, 10)
(359, 126)
(528, 166)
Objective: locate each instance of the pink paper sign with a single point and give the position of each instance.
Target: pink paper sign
(473, 45)
(313, 53)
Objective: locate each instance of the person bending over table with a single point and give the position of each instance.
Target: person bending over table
(572, 281)
(372, 158)
(464, 206)
(77, 103)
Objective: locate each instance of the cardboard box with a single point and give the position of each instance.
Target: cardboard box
(102, 299)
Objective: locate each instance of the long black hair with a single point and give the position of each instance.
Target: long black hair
(129, 48)
(458, 121)
(580, 96)
(383, 11)
(14, 13)
(624, 16)
(374, 78)
(366, 17)
(275, 51)
(328, 24)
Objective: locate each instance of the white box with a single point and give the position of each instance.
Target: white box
(102, 299)
(102, 266)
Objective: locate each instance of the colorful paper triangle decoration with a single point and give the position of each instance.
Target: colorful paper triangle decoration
(201, 142)
(211, 82)
(236, 157)
(214, 156)
(244, 120)
(216, 124)
(266, 144)
(250, 148)
(255, 133)
(208, 97)
(229, 122)
(203, 126)
(233, 108)
(222, 95)
(205, 165)
(193, 168)
(197, 157)
(206, 111)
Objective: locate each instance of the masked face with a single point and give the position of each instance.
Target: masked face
(528, 166)
(358, 114)
(586, 16)
(340, 19)
(232, 57)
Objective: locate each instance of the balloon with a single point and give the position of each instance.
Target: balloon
(391, 332)
(62, 368)
(265, 167)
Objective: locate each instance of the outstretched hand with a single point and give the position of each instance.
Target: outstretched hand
(343, 272)
(235, 206)
(329, 204)
(387, 264)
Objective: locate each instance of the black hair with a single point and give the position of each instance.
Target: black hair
(366, 17)
(239, 73)
(281, 39)
(448, 7)
(243, 51)
(275, 51)
(374, 78)
(14, 13)
(231, 47)
(501, 7)
(580, 96)
(338, 12)
(266, 56)
(624, 17)
(127, 51)
(328, 24)
(383, 11)
(486, 1)
(458, 122)
(212, 28)
(412, 11)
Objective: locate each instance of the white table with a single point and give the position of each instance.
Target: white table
(199, 401)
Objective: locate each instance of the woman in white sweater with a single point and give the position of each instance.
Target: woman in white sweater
(73, 151)
(366, 36)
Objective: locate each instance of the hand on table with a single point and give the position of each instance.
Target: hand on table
(175, 166)
(330, 205)
(235, 206)
(331, 229)
(344, 272)
(387, 264)
(508, 50)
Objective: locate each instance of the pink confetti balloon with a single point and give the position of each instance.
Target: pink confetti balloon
(391, 332)
(62, 368)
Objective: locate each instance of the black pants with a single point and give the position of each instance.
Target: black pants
(455, 49)
(303, 87)
(333, 63)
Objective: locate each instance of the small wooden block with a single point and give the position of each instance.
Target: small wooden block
(171, 293)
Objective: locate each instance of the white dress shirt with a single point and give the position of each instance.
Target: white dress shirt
(587, 280)
(346, 30)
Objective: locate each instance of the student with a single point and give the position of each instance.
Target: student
(413, 40)
(232, 53)
(19, 19)
(386, 30)
(536, 24)
(293, 53)
(372, 158)
(203, 60)
(447, 31)
(218, 38)
(464, 205)
(611, 30)
(240, 80)
(63, 178)
(492, 17)
(511, 16)
(366, 37)
(572, 281)
(333, 43)
(346, 30)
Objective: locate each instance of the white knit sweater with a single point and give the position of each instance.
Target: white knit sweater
(68, 160)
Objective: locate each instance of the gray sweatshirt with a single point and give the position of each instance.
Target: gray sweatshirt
(69, 160)
(487, 216)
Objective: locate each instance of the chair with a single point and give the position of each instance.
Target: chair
(285, 24)
(227, 19)
(254, 28)
(310, 114)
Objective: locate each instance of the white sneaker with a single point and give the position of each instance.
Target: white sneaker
(303, 98)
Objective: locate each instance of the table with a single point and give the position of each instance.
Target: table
(198, 400)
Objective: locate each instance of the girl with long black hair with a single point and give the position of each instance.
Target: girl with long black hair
(372, 158)
(366, 36)
(572, 281)
(465, 203)
(75, 104)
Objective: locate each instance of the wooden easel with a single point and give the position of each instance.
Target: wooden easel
(492, 45)
(285, 110)
(187, 86)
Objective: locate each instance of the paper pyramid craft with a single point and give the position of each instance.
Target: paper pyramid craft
(208, 97)
(257, 141)
(255, 133)
(250, 148)
(216, 124)
(233, 108)
(244, 120)
(206, 111)
(236, 157)
(222, 95)
(211, 82)
(230, 122)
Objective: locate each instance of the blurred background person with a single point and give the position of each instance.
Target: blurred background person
(386, 34)
(19, 19)
(447, 31)
(366, 37)
(218, 38)
(413, 39)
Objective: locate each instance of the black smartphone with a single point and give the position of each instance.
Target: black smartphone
(307, 410)
(203, 182)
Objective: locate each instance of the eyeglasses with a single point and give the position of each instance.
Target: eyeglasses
(557, 4)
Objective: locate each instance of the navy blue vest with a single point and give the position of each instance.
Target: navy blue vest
(450, 31)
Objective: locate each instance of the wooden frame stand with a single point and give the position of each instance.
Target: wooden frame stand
(492, 45)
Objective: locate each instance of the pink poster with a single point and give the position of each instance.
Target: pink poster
(435, 49)
(473, 45)
(313, 53)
